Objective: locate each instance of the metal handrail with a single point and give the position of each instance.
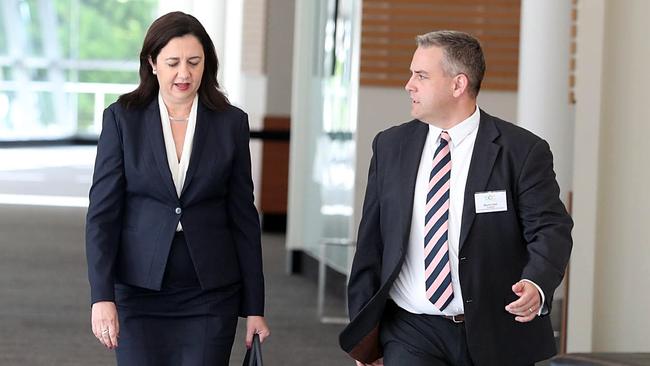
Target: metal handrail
(99, 90)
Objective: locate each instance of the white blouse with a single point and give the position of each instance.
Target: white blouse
(178, 168)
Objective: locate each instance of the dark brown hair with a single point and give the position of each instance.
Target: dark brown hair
(463, 55)
(161, 31)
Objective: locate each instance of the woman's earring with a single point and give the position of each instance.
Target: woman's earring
(154, 71)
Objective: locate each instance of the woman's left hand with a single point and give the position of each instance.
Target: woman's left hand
(256, 325)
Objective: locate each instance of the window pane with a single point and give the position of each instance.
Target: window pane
(62, 59)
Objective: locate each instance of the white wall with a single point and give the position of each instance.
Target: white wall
(623, 245)
(608, 311)
(279, 56)
(378, 109)
(500, 104)
(304, 106)
(253, 79)
(544, 68)
(586, 145)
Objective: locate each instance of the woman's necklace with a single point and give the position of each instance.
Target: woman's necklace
(179, 120)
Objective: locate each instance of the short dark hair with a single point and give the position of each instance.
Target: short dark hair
(463, 55)
(161, 31)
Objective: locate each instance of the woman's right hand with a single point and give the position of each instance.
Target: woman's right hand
(104, 323)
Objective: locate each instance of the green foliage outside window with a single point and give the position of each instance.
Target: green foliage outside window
(86, 30)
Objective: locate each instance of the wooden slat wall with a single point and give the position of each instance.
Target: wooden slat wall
(389, 28)
(572, 65)
(275, 168)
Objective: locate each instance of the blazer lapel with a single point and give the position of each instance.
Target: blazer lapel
(200, 131)
(157, 142)
(480, 168)
(411, 148)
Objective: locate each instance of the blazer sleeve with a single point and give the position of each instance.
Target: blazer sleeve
(365, 275)
(245, 225)
(104, 217)
(545, 222)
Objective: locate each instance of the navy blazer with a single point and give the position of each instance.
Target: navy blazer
(531, 240)
(134, 208)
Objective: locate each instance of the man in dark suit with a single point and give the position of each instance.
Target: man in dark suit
(463, 237)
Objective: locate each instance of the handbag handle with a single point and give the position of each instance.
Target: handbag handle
(256, 352)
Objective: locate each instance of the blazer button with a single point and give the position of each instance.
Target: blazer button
(178, 210)
(468, 301)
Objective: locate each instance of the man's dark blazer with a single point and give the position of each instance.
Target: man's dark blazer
(531, 240)
(134, 208)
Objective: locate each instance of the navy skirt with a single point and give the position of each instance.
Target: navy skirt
(180, 325)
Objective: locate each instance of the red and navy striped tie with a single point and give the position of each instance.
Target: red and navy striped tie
(436, 249)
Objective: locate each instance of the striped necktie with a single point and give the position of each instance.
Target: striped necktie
(436, 249)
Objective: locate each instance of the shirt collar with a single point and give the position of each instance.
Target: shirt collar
(459, 131)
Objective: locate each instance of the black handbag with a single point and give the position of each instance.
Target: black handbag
(254, 354)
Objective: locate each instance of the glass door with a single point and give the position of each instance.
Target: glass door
(321, 189)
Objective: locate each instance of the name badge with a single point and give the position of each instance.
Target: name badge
(492, 201)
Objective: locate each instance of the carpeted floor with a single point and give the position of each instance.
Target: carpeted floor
(44, 308)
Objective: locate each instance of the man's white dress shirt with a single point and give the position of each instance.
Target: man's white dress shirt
(409, 290)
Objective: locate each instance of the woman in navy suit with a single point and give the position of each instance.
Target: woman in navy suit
(172, 234)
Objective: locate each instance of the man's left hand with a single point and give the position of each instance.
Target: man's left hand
(527, 306)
